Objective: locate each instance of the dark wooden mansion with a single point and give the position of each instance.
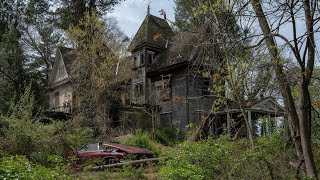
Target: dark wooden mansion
(167, 76)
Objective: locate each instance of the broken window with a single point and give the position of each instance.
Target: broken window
(150, 57)
(206, 86)
(165, 92)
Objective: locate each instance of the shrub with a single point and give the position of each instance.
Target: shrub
(223, 159)
(167, 136)
(142, 140)
(197, 160)
(19, 167)
(131, 172)
(23, 134)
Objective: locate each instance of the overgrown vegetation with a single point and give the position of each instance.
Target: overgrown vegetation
(19, 167)
(143, 140)
(222, 159)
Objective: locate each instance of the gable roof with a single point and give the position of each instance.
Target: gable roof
(150, 27)
(264, 105)
(63, 54)
(67, 56)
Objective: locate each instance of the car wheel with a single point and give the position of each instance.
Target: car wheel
(111, 161)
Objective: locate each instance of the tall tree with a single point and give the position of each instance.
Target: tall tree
(304, 51)
(94, 74)
(12, 72)
(40, 35)
(72, 11)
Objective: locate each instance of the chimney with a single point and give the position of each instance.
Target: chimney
(148, 9)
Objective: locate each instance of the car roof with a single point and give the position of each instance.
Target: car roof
(128, 149)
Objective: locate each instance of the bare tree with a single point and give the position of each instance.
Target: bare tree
(303, 48)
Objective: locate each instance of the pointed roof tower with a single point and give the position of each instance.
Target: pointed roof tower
(154, 31)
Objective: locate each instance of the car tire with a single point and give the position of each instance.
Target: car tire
(111, 161)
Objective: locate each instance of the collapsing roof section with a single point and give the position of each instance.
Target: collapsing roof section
(183, 47)
(153, 31)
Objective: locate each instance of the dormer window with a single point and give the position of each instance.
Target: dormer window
(61, 72)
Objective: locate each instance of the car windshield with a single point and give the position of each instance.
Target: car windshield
(90, 147)
(109, 149)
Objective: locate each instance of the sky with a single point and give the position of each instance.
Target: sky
(131, 13)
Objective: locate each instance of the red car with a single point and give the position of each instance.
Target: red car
(110, 153)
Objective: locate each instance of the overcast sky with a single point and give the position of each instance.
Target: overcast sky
(131, 13)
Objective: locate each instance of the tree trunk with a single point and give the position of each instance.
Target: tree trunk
(305, 130)
(300, 129)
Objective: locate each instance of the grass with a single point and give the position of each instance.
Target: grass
(148, 172)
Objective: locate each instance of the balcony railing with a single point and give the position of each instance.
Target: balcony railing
(64, 109)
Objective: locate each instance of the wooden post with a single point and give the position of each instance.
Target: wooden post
(250, 120)
(269, 125)
(228, 124)
(250, 124)
(286, 128)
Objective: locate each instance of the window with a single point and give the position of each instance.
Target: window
(138, 89)
(150, 57)
(90, 147)
(56, 99)
(61, 71)
(141, 59)
(135, 62)
(206, 87)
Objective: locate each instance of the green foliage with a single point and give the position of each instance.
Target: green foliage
(23, 134)
(167, 136)
(72, 11)
(19, 167)
(12, 62)
(142, 140)
(222, 159)
(133, 172)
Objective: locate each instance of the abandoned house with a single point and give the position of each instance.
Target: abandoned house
(164, 73)
(59, 83)
(167, 77)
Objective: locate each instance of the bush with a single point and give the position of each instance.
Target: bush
(19, 167)
(222, 159)
(131, 172)
(142, 140)
(167, 136)
(23, 134)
